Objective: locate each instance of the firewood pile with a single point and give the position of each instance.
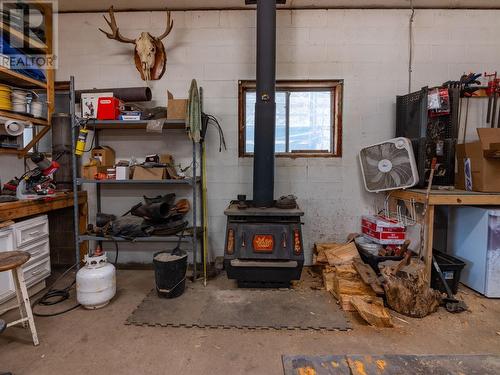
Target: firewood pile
(357, 287)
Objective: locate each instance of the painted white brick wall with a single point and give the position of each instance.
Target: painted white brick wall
(366, 48)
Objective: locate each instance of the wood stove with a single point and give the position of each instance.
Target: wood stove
(264, 242)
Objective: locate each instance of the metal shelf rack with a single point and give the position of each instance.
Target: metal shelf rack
(193, 183)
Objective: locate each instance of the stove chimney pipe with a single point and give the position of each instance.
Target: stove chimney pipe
(265, 105)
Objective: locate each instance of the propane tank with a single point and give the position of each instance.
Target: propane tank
(95, 282)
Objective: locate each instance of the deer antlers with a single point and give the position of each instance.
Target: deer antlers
(168, 29)
(115, 31)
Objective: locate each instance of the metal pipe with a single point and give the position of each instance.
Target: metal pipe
(265, 105)
(74, 132)
(195, 228)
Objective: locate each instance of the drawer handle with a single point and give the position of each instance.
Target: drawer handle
(34, 233)
(34, 273)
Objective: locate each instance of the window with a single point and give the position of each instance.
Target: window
(308, 118)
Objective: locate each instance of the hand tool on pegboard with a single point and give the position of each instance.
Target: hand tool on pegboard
(489, 91)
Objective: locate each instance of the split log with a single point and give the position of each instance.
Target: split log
(408, 293)
(374, 313)
(328, 280)
(320, 258)
(341, 254)
(346, 305)
(351, 287)
(368, 276)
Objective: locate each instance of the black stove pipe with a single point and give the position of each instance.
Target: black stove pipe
(265, 106)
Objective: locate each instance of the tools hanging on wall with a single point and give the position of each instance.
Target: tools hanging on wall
(492, 91)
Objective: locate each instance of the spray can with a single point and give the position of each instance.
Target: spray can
(81, 141)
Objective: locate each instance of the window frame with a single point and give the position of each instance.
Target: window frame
(336, 88)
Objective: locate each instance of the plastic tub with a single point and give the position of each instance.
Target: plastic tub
(451, 268)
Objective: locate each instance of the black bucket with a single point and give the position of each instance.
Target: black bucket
(170, 274)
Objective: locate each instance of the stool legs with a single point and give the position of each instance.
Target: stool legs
(26, 302)
(19, 296)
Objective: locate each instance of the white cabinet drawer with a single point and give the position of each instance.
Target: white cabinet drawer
(7, 287)
(37, 250)
(6, 240)
(31, 230)
(37, 272)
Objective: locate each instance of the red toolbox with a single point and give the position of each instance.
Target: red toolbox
(108, 108)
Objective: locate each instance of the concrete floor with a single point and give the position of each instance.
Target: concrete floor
(98, 342)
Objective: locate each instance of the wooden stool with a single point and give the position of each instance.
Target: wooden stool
(12, 261)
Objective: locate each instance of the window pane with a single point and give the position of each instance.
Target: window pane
(249, 120)
(280, 143)
(310, 120)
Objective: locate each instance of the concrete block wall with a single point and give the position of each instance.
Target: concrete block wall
(366, 48)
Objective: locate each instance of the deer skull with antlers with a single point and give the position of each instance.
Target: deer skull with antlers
(149, 54)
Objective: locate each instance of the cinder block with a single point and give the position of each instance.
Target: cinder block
(239, 19)
(202, 19)
(308, 18)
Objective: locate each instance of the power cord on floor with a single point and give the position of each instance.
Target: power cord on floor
(55, 296)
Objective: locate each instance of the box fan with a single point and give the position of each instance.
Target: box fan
(389, 165)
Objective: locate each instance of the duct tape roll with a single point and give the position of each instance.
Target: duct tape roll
(14, 128)
(36, 108)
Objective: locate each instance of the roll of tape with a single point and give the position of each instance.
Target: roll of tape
(14, 128)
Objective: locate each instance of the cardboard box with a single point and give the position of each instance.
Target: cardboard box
(384, 238)
(105, 154)
(176, 108)
(89, 103)
(483, 160)
(171, 171)
(89, 172)
(381, 224)
(141, 173)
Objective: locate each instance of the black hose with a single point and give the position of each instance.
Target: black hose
(55, 296)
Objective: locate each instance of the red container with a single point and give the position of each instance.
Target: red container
(108, 108)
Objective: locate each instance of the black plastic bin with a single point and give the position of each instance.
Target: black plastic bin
(170, 274)
(451, 268)
(374, 260)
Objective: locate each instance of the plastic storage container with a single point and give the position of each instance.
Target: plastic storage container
(451, 268)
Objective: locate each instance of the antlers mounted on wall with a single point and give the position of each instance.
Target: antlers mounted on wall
(149, 53)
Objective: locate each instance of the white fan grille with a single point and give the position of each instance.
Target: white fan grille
(387, 167)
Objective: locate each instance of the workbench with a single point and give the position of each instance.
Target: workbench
(441, 198)
(25, 208)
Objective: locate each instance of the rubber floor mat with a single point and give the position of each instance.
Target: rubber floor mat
(391, 364)
(214, 307)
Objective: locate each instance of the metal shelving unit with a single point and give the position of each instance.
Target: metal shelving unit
(192, 183)
(184, 181)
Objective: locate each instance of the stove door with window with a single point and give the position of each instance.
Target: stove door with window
(264, 251)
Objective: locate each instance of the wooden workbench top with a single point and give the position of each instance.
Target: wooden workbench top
(448, 197)
(25, 208)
